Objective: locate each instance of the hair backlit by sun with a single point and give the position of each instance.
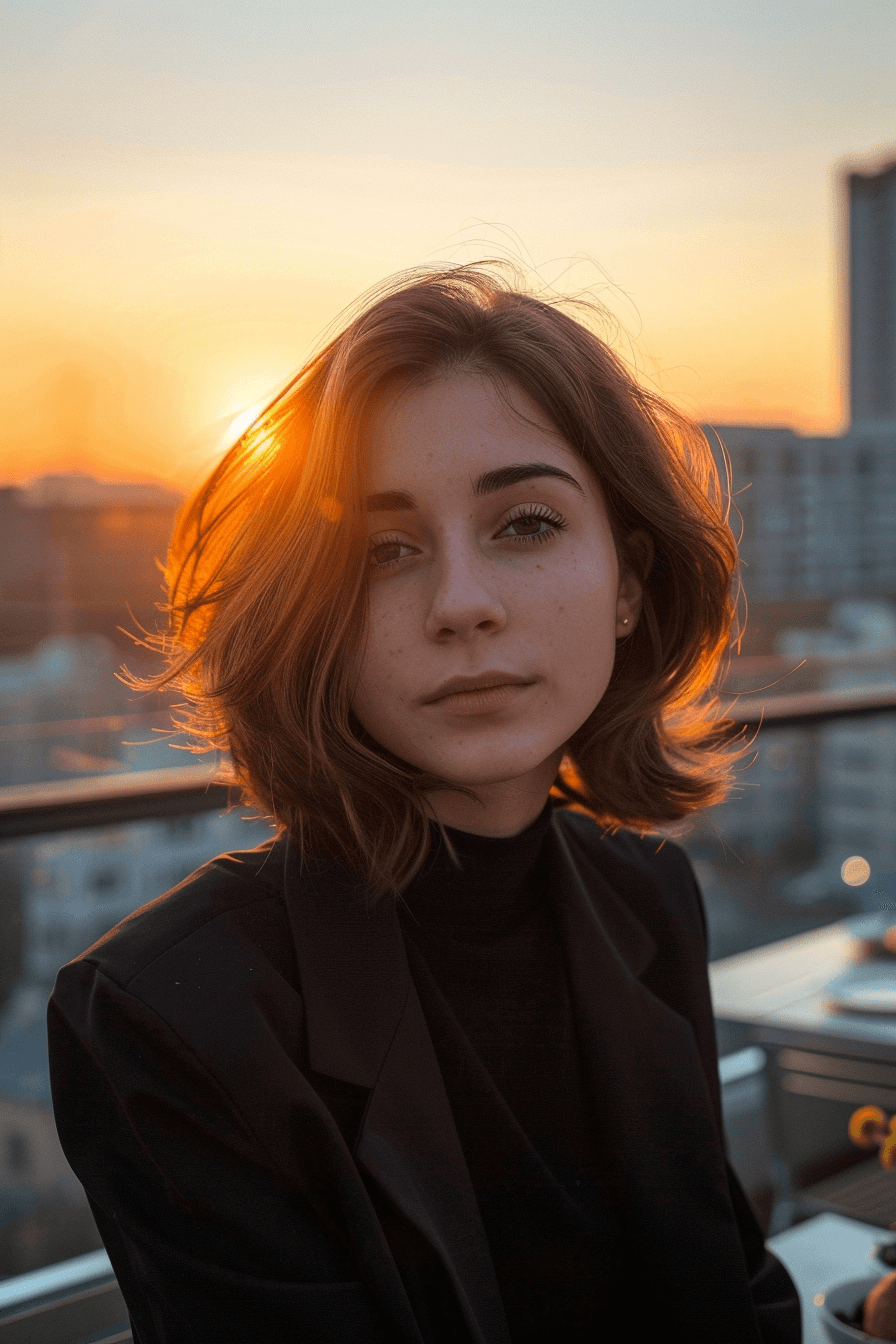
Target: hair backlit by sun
(240, 423)
(268, 584)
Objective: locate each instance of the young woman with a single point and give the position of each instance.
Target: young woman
(437, 1064)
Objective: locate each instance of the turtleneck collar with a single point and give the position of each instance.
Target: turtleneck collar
(495, 884)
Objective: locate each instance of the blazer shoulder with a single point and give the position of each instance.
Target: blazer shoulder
(671, 893)
(244, 883)
(657, 855)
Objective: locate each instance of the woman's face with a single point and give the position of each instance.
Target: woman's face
(495, 597)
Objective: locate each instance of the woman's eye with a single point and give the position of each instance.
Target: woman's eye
(527, 527)
(386, 553)
(532, 526)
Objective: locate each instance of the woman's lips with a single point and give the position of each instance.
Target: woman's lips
(482, 700)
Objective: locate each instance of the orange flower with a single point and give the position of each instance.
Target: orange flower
(868, 1128)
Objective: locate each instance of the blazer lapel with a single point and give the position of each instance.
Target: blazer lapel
(352, 966)
(410, 1147)
(658, 1126)
(365, 1026)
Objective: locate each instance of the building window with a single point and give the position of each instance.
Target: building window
(776, 518)
(858, 798)
(790, 462)
(17, 1156)
(181, 828)
(105, 881)
(865, 461)
(858, 842)
(855, 760)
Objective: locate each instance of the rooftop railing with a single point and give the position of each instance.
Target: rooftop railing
(108, 800)
(70, 1303)
(111, 800)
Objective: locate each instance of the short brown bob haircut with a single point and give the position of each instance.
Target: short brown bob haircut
(267, 576)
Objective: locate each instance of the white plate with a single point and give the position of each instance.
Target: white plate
(865, 989)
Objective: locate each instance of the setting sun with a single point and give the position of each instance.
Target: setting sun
(240, 423)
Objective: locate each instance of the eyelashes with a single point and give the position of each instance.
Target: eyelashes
(538, 522)
(386, 544)
(535, 513)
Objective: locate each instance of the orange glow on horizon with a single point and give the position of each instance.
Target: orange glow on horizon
(189, 209)
(121, 416)
(107, 369)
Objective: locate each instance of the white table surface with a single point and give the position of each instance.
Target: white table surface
(823, 1252)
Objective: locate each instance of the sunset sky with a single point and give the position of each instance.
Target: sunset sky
(192, 192)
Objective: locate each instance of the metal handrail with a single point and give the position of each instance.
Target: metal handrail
(65, 1303)
(104, 800)
(806, 708)
(83, 727)
(65, 1276)
(110, 800)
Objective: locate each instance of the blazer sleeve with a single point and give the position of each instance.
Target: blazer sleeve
(208, 1245)
(679, 976)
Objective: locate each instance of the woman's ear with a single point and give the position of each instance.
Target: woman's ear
(635, 561)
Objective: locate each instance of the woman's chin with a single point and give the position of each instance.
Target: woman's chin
(491, 771)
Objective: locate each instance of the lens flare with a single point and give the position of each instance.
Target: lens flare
(331, 509)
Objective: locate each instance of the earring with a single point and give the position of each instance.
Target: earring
(625, 622)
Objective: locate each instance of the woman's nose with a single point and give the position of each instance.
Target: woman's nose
(464, 602)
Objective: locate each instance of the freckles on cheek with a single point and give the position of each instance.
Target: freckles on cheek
(385, 657)
(583, 630)
(388, 633)
(390, 660)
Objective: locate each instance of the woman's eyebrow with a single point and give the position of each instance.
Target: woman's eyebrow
(502, 477)
(398, 501)
(391, 501)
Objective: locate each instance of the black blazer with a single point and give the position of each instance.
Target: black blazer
(243, 1080)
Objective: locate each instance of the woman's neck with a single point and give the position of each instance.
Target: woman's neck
(501, 809)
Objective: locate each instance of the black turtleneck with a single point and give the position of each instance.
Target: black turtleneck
(493, 978)
(487, 933)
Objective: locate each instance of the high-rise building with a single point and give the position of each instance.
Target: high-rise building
(817, 512)
(872, 295)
